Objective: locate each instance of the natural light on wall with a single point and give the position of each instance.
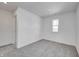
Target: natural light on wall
(55, 24)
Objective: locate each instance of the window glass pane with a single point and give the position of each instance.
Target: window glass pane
(55, 22)
(55, 29)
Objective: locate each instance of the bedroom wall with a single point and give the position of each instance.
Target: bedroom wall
(77, 29)
(7, 28)
(66, 32)
(28, 27)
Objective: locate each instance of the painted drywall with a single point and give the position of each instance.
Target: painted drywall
(7, 28)
(66, 32)
(77, 29)
(28, 27)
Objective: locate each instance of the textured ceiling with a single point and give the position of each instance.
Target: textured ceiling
(41, 8)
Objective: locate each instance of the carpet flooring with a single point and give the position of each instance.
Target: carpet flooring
(42, 48)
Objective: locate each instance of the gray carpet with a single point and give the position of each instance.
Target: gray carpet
(43, 48)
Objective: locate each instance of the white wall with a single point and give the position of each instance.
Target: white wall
(7, 28)
(66, 32)
(28, 27)
(77, 29)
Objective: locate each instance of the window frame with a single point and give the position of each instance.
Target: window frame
(55, 25)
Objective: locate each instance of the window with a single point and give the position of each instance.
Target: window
(55, 24)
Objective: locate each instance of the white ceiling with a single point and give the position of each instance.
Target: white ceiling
(41, 8)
